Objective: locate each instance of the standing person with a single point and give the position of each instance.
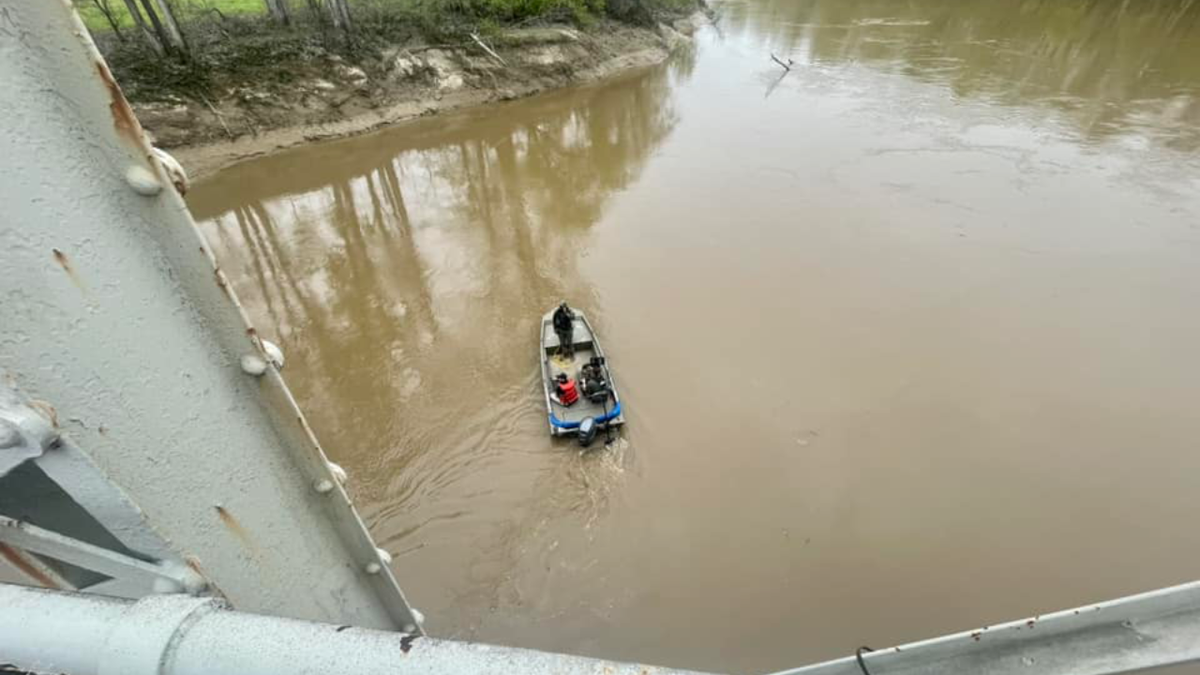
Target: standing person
(564, 328)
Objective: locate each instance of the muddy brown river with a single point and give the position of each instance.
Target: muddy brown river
(908, 336)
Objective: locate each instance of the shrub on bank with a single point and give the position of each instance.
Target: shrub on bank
(231, 41)
(105, 17)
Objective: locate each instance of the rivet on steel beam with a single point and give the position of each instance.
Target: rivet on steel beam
(174, 170)
(253, 364)
(338, 472)
(408, 628)
(373, 568)
(324, 486)
(384, 556)
(274, 353)
(418, 615)
(143, 181)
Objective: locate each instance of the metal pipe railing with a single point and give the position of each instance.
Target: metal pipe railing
(1155, 629)
(44, 631)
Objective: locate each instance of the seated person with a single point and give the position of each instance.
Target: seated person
(565, 392)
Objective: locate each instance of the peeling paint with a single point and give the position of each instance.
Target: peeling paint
(48, 411)
(236, 528)
(10, 554)
(406, 642)
(65, 263)
(124, 121)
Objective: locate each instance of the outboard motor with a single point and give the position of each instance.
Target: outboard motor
(587, 431)
(595, 384)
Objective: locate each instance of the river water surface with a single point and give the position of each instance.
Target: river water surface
(908, 336)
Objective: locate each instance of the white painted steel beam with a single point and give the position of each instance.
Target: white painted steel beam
(82, 501)
(163, 578)
(1159, 628)
(115, 315)
(23, 567)
(51, 632)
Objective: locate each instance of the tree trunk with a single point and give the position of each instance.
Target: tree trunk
(172, 27)
(335, 16)
(140, 22)
(318, 12)
(164, 43)
(339, 14)
(278, 10)
(106, 10)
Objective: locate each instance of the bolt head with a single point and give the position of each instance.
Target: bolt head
(338, 472)
(274, 353)
(252, 364)
(143, 181)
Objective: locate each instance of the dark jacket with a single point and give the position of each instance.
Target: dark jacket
(564, 319)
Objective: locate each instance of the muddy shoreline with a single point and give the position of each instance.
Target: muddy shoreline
(337, 100)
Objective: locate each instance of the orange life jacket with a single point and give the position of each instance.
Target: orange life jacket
(567, 392)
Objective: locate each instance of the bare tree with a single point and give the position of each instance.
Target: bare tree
(278, 9)
(318, 12)
(160, 34)
(178, 43)
(339, 14)
(140, 22)
(106, 10)
(166, 37)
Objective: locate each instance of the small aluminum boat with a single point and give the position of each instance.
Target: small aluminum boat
(597, 405)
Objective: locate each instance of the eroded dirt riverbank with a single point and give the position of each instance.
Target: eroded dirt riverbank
(333, 99)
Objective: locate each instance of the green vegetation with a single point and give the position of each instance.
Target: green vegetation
(423, 14)
(203, 50)
(187, 10)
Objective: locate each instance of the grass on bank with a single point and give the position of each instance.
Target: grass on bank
(236, 43)
(422, 13)
(187, 11)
